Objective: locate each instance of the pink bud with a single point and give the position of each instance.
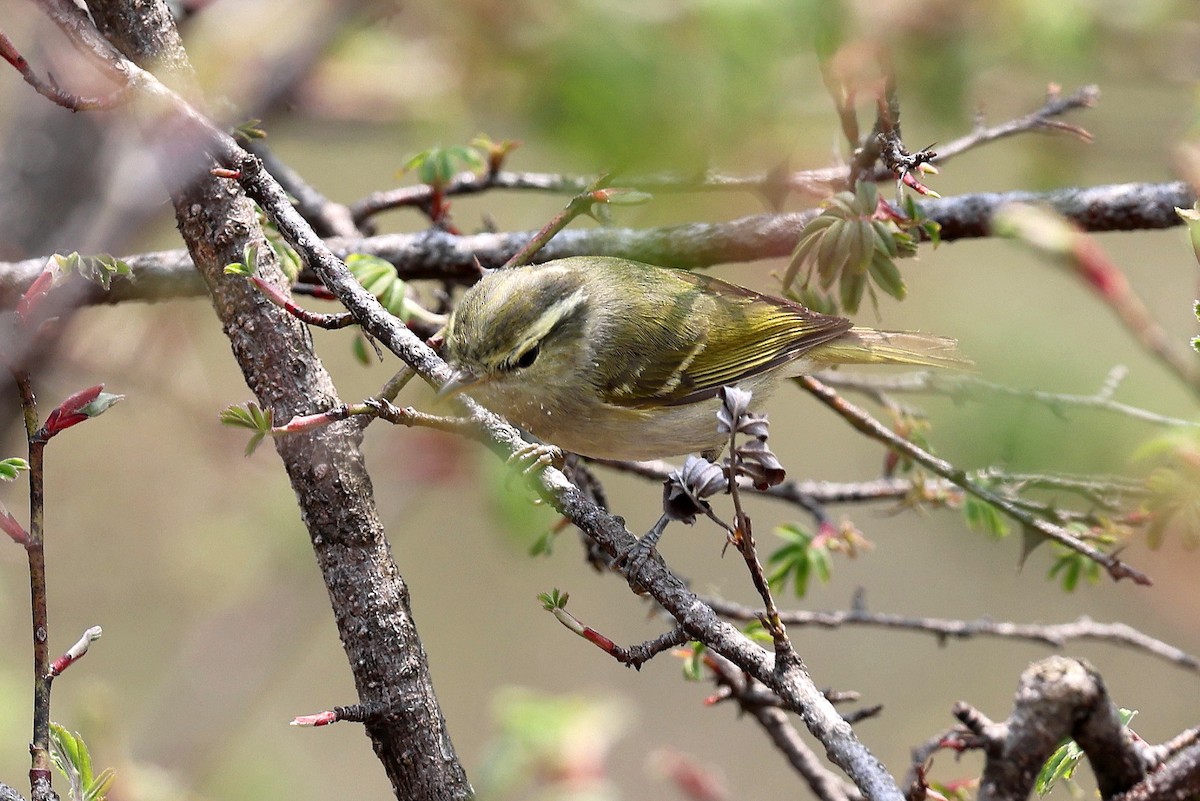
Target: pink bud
(36, 291)
(10, 526)
(319, 719)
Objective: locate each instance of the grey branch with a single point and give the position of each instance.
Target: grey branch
(1055, 635)
(746, 693)
(436, 254)
(1057, 698)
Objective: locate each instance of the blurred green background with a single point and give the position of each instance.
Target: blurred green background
(192, 558)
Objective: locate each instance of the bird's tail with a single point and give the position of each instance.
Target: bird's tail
(869, 346)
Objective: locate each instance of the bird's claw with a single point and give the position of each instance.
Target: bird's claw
(536, 455)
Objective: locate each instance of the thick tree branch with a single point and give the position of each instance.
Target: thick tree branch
(1057, 698)
(369, 598)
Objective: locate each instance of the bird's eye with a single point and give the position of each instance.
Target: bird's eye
(528, 357)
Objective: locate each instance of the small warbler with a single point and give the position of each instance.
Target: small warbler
(614, 359)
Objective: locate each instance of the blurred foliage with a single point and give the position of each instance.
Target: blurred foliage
(1070, 567)
(631, 84)
(1174, 484)
(515, 507)
(551, 747)
(99, 269)
(982, 516)
(436, 166)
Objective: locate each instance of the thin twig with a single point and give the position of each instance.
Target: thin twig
(868, 425)
(815, 183)
(1056, 635)
(774, 721)
(52, 91)
(1042, 119)
(969, 387)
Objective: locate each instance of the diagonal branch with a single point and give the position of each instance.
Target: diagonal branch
(970, 387)
(868, 425)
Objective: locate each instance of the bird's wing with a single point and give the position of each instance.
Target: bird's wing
(723, 334)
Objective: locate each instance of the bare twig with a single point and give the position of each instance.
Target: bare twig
(1040, 120)
(52, 91)
(824, 784)
(816, 183)
(812, 496)
(1055, 635)
(969, 387)
(863, 422)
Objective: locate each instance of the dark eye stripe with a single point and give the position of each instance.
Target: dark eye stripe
(528, 357)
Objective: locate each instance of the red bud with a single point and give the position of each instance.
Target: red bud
(10, 526)
(36, 291)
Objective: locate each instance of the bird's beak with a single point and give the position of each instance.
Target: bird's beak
(461, 379)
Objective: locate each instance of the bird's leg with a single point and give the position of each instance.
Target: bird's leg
(635, 557)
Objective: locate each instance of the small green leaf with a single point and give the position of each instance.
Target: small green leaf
(543, 545)
(70, 755)
(1059, 767)
(843, 205)
(755, 631)
(798, 561)
(11, 467)
(885, 238)
(886, 276)
(1062, 763)
(359, 349)
(982, 516)
(693, 666)
(1070, 567)
(247, 266)
(437, 166)
(250, 129)
(100, 787)
(380, 278)
(99, 269)
(851, 288)
(816, 301)
(867, 196)
(835, 252)
(250, 416)
(555, 599)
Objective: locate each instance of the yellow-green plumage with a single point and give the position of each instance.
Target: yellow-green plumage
(611, 358)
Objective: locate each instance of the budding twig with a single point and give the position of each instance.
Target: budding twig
(75, 652)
